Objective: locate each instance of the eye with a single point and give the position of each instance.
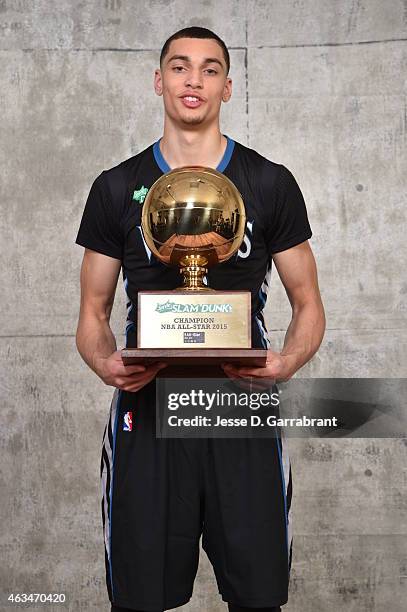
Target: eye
(178, 68)
(211, 71)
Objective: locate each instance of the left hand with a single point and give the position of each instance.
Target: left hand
(276, 369)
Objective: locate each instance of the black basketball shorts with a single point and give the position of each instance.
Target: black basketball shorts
(159, 495)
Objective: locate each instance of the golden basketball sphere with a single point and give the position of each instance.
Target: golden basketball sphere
(193, 216)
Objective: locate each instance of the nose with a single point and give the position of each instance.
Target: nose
(194, 78)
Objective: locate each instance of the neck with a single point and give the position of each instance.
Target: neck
(191, 146)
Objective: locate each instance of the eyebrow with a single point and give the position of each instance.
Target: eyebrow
(186, 58)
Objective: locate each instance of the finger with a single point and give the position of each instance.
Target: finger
(147, 378)
(260, 372)
(229, 369)
(155, 364)
(140, 377)
(131, 389)
(232, 371)
(160, 365)
(156, 367)
(125, 370)
(253, 384)
(256, 383)
(150, 373)
(238, 380)
(235, 367)
(136, 386)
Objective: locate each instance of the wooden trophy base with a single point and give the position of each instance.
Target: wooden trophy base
(195, 362)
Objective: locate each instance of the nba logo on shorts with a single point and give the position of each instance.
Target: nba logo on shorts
(128, 421)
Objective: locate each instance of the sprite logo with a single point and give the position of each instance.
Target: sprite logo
(169, 306)
(139, 195)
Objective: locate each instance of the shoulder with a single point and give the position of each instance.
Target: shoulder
(251, 156)
(267, 173)
(117, 178)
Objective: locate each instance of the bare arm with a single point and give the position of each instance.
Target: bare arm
(297, 270)
(298, 273)
(94, 338)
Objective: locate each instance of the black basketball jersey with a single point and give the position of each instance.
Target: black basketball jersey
(276, 219)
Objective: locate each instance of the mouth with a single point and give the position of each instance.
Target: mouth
(191, 101)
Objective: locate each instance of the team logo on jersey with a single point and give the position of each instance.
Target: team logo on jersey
(139, 195)
(246, 246)
(128, 421)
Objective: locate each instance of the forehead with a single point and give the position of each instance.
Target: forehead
(196, 49)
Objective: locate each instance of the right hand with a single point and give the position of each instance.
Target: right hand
(126, 377)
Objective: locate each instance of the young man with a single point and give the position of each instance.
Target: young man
(159, 495)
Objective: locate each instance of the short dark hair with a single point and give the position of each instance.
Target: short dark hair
(196, 32)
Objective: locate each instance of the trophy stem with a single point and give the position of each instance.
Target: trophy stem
(193, 269)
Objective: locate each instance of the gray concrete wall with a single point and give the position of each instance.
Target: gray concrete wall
(319, 86)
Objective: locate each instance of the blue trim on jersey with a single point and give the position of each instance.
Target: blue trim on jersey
(262, 338)
(262, 298)
(162, 164)
(159, 158)
(111, 486)
(284, 497)
(227, 155)
(130, 325)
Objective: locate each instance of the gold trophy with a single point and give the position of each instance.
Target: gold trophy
(194, 218)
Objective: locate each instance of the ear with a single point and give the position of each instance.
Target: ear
(158, 88)
(227, 90)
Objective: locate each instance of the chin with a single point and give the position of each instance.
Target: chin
(193, 120)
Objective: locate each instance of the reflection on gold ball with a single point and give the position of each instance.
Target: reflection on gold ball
(193, 210)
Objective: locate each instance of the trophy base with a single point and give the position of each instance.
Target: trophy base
(194, 361)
